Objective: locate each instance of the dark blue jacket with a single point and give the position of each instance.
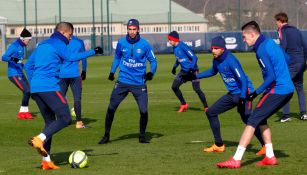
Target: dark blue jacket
(230, 69)
(291, 40)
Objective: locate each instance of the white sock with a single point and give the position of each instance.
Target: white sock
(269, 150)
(47, 158)
(24, 109)
(239, 153)
(42, 136)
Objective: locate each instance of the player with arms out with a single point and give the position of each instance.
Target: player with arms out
(43, 69)
(238, 86)
(131, 55)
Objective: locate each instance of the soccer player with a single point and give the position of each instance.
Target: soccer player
(14, 56)
(43, 69)
(131, 55)
(188, 62)
(238, 86)
(277, 89)
(70, 76)
(291, 40)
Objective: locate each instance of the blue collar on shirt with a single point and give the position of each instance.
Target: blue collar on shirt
(260, 39)
(60, 36)
(21, 43)
(133, 40)
(223, 56)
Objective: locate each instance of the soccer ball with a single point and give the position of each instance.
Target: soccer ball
(78, 159)
(72, 112)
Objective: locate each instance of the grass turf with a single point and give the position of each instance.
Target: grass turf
(177, 139)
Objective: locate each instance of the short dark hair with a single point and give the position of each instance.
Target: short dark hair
(252, 25)
(64, 26)
(282, 17)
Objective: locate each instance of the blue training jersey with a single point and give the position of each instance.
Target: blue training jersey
(44, 64)
(273, 66)
(185, 57)
(232, 74)
(131, 60)
(71, 69)
(15, 50)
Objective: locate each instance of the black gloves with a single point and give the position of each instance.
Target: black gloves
(111, 76)
(252, 96)
(98, 50)
(83, 75)
(148, 76)
(14, 59)
(174, 71)
(241, 105)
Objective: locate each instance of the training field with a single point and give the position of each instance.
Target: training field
(177, 139)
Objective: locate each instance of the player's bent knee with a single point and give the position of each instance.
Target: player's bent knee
(144, 114)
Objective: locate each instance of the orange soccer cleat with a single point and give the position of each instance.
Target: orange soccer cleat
(267, 161)
(231, 163)
(49, 165)
(37, 143)
(80, 125)
(215, 148)
(183, 107)
(261, 151)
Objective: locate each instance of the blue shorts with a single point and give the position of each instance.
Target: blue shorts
(266, 107)
(75, 85)
(52, 104)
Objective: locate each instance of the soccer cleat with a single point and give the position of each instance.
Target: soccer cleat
(183, 107)
(104, 140)
(37, 143)
(80, 125)
(49, 165)
(21, 115)
(267, 161)
(261, 151)
(231, 163)
(215, 148)
(28, 115)
(283, 120)
(142, 139)
(304, 117)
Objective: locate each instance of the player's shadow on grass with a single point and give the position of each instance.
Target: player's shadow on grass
(278, 153)
(149, 136)
(87, 121)
(61, 158)
(35, 114)
(190, 108)
(279, 115)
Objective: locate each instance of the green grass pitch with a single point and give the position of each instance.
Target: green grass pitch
(177, 140)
